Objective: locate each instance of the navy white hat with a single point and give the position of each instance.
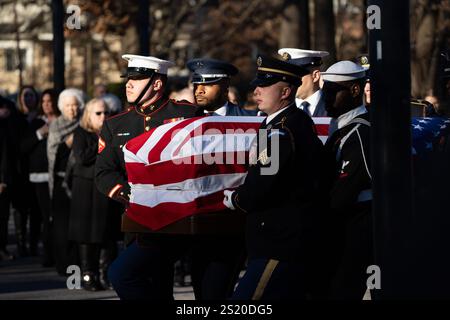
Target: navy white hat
(210, 70)
(301, 57)
(344, 71)
(271, 71)
(145, 66)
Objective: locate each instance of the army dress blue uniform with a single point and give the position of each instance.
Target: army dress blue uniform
(280, 206)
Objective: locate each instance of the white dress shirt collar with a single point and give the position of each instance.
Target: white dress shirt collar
(313, 101)
(222, 111)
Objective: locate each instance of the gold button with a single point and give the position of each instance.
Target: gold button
(142, 110)
(147, 128)
(147, 118)
(152, 107)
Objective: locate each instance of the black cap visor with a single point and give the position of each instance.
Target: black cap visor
(138, 73)
(265, 79)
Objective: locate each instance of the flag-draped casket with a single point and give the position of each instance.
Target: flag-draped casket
(180, 169)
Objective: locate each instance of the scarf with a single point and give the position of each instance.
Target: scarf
(58, 131)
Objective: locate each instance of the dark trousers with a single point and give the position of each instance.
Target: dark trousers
(269, 279)
(216, 263)
(43, 199)
(4, 217)
(145, 271)
(65, 251)
(349, 281)
(26, 208)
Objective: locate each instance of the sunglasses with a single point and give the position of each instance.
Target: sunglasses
(102, 112)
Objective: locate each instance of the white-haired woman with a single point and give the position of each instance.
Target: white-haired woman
(59, 145)
(92, 224)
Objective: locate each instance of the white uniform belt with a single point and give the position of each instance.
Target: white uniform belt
(365, 195)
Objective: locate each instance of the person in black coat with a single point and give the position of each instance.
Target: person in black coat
(90, 223)
(34, 146)
(8, 170)
(59, 145)
(24, 202)
(280, 193)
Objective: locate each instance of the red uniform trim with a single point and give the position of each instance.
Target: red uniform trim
(120, 114)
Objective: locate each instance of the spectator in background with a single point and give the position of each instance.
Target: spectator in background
(7, 170)
(90, 224)
(28, 100)
(184, 94)
(34, 146)
(26, 207)
(233, 96)
(100, 90)
(59, 145)
(250, 104)
(113, 103)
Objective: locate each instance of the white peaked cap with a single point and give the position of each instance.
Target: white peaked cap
(302, 57)
(344, 71)
(159, 65)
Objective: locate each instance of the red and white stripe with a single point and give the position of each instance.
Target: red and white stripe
(181, 168)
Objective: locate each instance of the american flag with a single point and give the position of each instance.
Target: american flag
(181, 168)
(174, 171)
(427, 134)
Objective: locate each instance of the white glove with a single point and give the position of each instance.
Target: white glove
(227, 200)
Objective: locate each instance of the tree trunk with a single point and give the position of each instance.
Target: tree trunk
(324, 28)
(58, 45)
(143, 27)
(19, 56)
(295, 31)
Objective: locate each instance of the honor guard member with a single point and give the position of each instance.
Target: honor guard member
(309, 96)
(216, 259)
(145, 269)
(350, 194)
(280, 190)
(211, 80)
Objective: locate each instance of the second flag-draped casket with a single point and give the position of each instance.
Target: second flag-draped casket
(178, 171)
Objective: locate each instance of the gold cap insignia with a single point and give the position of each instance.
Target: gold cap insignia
(259, 61)
(286, 56)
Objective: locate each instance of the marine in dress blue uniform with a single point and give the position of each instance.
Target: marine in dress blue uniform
(145, 269)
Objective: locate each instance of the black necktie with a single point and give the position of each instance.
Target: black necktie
(305, 105)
